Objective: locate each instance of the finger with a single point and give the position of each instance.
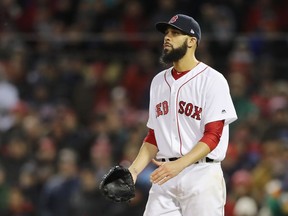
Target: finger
(156, 180)
(158, 163)
(157, 176)
(163, 180)
(158, 172)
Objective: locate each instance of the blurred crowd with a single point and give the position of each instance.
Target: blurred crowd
(74, 94)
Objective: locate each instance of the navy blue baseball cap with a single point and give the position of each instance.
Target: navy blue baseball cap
(184, 23)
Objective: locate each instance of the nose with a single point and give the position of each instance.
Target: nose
(166, 37)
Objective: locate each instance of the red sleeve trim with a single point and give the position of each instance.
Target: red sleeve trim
(150, 137)
(212, 134)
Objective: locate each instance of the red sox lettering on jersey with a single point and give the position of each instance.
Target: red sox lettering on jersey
(179, 110)
(185, 108)
(182, 108)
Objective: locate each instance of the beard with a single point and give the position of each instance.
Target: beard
(174, 55)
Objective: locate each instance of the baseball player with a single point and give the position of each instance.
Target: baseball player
(189, 115)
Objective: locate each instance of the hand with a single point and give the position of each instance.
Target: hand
(165, 171)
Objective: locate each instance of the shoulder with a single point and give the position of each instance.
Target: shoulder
(214, 80)
(161, 75)
(212, 73)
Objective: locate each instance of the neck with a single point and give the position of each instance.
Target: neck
(186, 63)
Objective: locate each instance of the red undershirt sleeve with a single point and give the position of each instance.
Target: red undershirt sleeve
(212, 133)
(150, 137)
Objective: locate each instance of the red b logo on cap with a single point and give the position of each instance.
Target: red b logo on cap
(173, 19)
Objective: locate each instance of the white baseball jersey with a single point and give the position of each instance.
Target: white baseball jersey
(179, 110)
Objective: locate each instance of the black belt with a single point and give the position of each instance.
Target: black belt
(207, 160)
(169, 159)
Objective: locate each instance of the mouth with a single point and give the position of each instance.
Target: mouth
(166, 45)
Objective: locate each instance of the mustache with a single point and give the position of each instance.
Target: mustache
(167, 44)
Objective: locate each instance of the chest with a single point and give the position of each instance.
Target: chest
(185, 97)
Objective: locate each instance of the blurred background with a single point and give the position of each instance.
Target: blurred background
(74, 83)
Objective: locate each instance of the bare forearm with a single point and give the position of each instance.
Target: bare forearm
(198, 152)
(146, 153)
(167, 170)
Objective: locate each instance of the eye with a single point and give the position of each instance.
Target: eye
(176, 32)
(173, 32)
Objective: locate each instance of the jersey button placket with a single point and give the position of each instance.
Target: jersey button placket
(174, 128)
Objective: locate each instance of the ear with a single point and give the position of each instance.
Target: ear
(192, 41)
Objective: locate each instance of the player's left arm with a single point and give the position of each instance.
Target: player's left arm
(143, 158)
(207, 143)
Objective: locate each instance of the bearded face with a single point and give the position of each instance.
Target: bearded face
(174, 54)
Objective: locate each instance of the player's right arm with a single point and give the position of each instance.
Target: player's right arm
(146, 153)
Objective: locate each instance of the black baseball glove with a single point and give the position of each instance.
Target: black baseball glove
(118, 185)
